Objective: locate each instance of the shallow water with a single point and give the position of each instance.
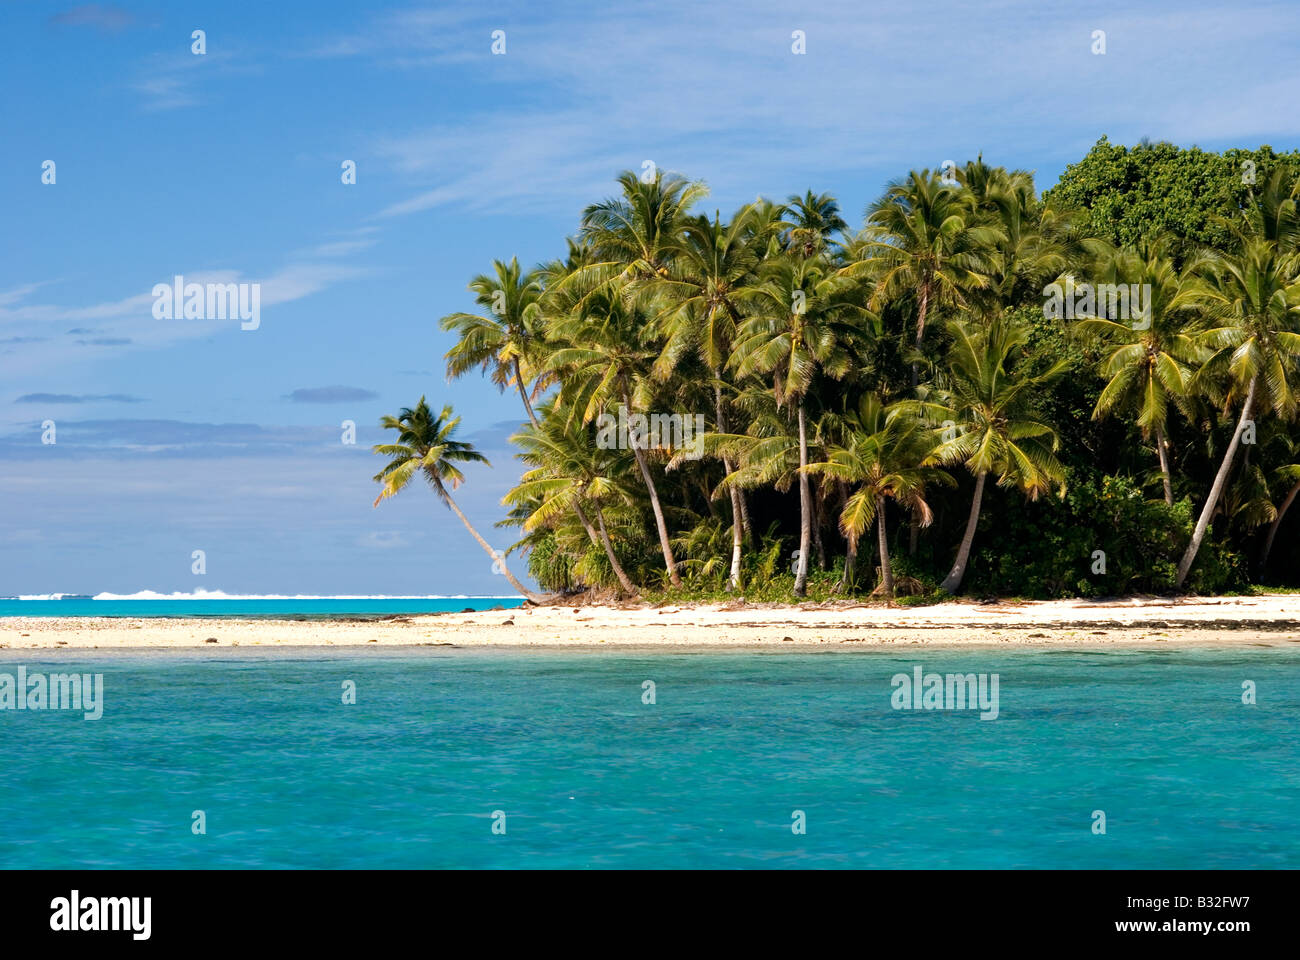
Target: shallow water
(249, 606)
(708, 776)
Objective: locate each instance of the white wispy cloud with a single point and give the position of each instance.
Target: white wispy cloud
(583, 92)
(349, 242)
(35, 336)
(174, 81)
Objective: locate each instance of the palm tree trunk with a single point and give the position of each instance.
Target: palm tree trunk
(642, 461)
(1212, 501)
(850, 545)
(817, 535)
(886, 574)
(744, 519)
(805, 509)
(737, 509)
(523, 395)
(586, 524)
(953, 581)
(532, 417)
(737, 534)
(1164, 466)
(870, 558)
(705, 495)
(497, 558)
(609, 553)
(850, 564)
(1277, 522)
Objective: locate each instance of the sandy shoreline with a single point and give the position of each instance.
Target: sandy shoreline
(1272, 620)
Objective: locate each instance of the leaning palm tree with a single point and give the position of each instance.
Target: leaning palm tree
(882, 459)
(986, 422)
(568, 469)
(604, 348)
(508, 341)
(1251, 305)
(803, 319)
(1151, 352)
(425, 446)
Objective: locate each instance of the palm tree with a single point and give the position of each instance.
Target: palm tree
(816, 218)
(1273, 215)
(702, 295)
(803, 320)
(1289, 476)
(425, 446)
(1250, 302)
(505, 339)
(509, 340)
(1029, 244)
(766, 455)
(924, 240)
(768, 224)
(568, 469)
(1150, 357)
(883, 458)
(604, 348)
(634, 237)
(628, 242)
(987, 425)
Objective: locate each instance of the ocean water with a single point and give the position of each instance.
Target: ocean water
(223, 606)
(709, 775)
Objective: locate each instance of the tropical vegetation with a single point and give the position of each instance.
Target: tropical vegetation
(979, 389)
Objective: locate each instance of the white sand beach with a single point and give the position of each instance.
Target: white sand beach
(1269, 619)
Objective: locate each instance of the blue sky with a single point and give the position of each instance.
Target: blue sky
(177, 435)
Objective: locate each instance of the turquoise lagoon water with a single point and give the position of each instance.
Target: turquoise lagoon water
(244, 606)
(708, 776)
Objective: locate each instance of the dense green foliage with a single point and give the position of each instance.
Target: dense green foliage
(906, 408)
(1133, 193)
